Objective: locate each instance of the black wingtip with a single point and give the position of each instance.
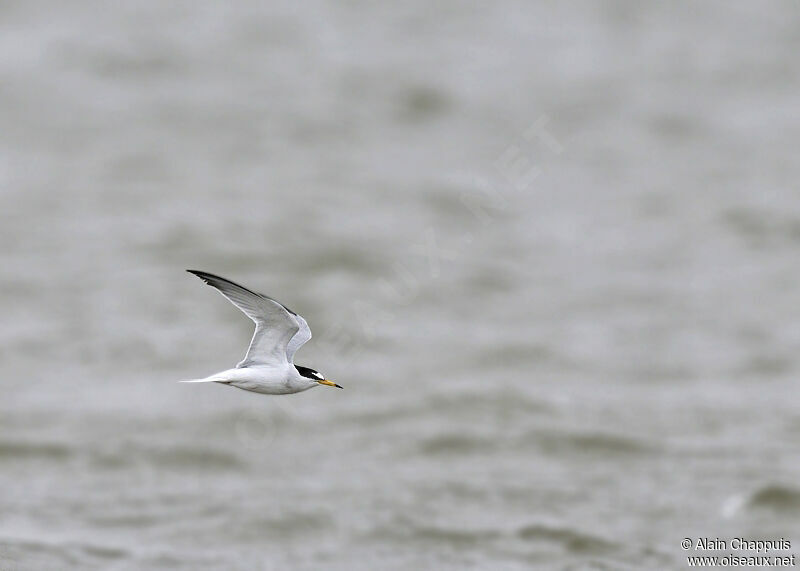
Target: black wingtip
(205, 276)
(209, 279)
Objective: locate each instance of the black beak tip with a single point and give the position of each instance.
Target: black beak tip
(338, 386)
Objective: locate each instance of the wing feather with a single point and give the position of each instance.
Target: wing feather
(276, 325)
(300, 338)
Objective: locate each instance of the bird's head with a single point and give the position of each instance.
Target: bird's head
(315, 376)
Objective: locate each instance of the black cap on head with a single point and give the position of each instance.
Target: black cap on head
(309, 373)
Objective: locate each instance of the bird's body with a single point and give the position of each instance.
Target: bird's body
(268, 368)
(264, 380)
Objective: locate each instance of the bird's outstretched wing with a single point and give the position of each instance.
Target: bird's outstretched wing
(276, 325)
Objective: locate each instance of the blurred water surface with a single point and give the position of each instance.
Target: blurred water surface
(550, 250)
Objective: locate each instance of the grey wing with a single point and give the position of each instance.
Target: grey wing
(275, 324)
(300, 338)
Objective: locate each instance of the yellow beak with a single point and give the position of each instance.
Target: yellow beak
(329, 383)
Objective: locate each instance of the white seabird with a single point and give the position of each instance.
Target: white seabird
(268, 368)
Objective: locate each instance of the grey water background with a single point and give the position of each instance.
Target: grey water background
(551, 250)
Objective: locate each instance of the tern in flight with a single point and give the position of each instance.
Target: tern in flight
(268, 368)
